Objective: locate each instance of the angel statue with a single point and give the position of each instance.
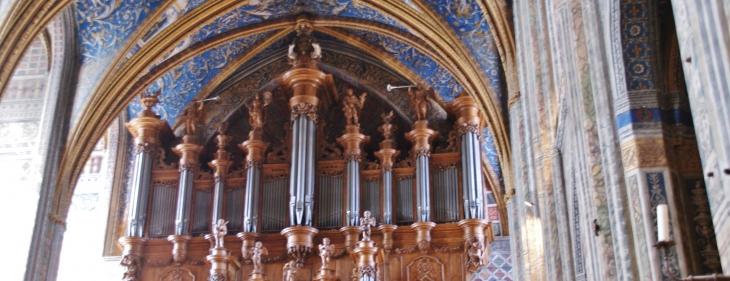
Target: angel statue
(387, 128)
(219, 232)
(325, 252)
(256, 253)
(419, 99)
(352, 107)
(192, 117)
(291, 271)
(256, 114)
(366, 222)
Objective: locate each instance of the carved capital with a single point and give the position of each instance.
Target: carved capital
(307, 109)
(468, 127)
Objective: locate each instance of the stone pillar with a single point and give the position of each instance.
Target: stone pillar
(145, 129)
(220, 165)
(352, 141)
(421, 137)
(468, 126)
(254, 148)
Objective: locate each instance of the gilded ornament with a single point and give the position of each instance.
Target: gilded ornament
(366, 223)
(387, 129)
(307, 109)
(192, 118)
(325, 252)
(419, 99)
(256, 115)
(255, 253)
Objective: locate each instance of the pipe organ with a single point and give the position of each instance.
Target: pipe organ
(266, 216)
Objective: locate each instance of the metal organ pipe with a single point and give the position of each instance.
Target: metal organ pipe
(184, 195)
(310, 169)
(140, 193)
(388, 197)
(294, 173)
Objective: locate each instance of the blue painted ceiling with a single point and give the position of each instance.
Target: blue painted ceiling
(108, 27)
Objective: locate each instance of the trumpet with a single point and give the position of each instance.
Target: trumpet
(216, 98)
(391, 87)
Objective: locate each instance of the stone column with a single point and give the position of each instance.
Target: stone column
(468, 126)
(220, 165)
(421, 137)
(352, 141)
(145, 129)
(254, 148)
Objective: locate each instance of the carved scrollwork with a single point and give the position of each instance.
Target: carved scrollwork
(421, 152)
(166, 183)
(145, 147)
(406, 163)
(444, 166)
(388, 167)
(188, 167)
(307, 109)
(367, 270)
(448, 249)
(252, 163)
(404, 177)
(270, 178)
(372, 178)
(470, 126)
(218, 277)
(334, 174)
(299, 253)
(353, 157)
(403, 251)
(454, 145)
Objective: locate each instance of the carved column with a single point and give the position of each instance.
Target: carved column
(387, 155)
(303, 80)
(189, 151)
(352, 141)
(421, 137)
(468, 126)
(478, 234)
(254, 148)
(220, 165)
(367, 263)
(132, 257)
(145, 128)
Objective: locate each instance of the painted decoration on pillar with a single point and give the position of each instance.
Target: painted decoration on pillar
(658, 195)
(491, 157)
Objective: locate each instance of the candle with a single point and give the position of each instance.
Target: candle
(662, 221)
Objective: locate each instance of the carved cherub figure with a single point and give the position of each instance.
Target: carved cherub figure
(256, 252)
(419, 99)
(192, 117)
(366, 223)
(474, 253)
(325, 252)
(291, 271)
(387, 129)
(352, 106)
(219, 232)
(131, 265)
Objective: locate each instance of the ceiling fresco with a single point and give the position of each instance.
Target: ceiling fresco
(360, 58)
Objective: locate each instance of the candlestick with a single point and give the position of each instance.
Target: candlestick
(662, 215)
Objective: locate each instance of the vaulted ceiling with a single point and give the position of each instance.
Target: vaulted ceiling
(196, 49)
